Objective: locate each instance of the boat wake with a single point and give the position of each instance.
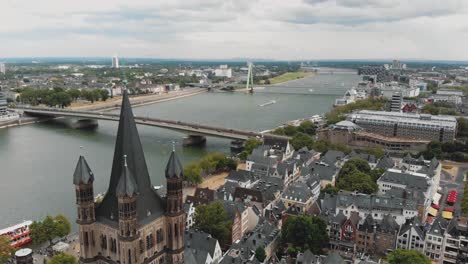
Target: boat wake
(268, 103)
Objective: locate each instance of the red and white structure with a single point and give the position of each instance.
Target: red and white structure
(19, 234)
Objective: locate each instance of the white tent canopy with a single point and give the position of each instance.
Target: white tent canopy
(60, 247)
(436, 198)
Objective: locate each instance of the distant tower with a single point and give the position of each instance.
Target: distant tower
(3, 102)
(115, 62)
(396, 103)
(2, 68)
(249, 86)
(83, 179)
(174, 211)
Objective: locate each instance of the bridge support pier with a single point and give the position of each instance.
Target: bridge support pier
(194, 140)
(85, 124)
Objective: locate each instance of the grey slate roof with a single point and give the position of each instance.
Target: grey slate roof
(232, 207)
(239, 176)
(367, 157)
(189, 258)
(416, 224)
(127, 185)
(333, 156)
(174, 168)
(298, 192)
(439, 226)
(366, 201)
(411, 182)
(328, 203)
(200, 241)
(388, 225)
(307, 258)
(275, 143)
(227, 189)
(269, 186)
(386, 162)
(325, 171)
(83, 173)
(149, 204)
(262, 235)
(259, 170)
(333, 258)
(368, 224)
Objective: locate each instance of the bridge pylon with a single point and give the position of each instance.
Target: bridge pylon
(249, 85)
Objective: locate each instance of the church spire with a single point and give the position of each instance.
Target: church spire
(128, 143)
(127, 185)
(174, 168)
(83, 174)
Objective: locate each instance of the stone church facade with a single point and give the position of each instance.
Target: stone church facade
(133, 224)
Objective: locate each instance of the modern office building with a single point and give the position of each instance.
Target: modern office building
(407, 125)
(3, 102)
(223, 71)
(396, 102)
(115, 62)
(2, 68)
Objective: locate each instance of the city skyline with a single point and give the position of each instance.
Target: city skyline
(292, 30)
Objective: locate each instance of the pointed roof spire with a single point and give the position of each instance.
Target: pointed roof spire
(127, 185)
(83, 174)
(174, 168)
(128, 143)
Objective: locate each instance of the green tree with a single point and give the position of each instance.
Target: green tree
(6, 250)
(376, 151)
(356, 175)
(61, 99)
(88, 95)
(96, 94)
(307, 127)
(260, 254)
(49, 228)
(192, 173)
(301, 140)
(74, 93)
(104, 94)
(330, 189)
(406, 256)
(279, 131)
(213, 219)
(290, 130)
(462, 127)
(62, 258)
(249, 146)
(305, 232)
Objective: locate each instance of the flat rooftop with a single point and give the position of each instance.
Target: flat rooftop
(407, 118)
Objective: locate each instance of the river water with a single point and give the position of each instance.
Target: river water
(37, 161)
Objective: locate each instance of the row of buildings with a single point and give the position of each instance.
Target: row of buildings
(135, 223)
(280, 182)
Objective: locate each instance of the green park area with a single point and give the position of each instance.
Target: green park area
(289, 76)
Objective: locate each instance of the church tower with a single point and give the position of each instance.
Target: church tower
(133, 224)
(174, 211)
(83, 179)
(127, 200)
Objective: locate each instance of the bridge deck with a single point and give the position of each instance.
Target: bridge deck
(186, 127)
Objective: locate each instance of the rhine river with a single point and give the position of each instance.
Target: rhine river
(37, 161)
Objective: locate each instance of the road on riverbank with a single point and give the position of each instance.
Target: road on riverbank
(111, 104)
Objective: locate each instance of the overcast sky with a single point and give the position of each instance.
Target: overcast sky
(217, 29)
